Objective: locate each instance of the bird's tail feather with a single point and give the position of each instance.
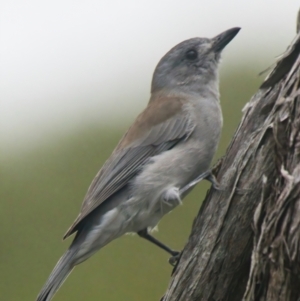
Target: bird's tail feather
(59, 274)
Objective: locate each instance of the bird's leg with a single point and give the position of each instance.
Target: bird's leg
(175, 254)
(207, 176)
(144, 234)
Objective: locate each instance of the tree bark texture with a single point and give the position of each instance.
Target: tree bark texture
(245, 241)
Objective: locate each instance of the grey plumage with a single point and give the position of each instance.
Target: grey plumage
(171, 143)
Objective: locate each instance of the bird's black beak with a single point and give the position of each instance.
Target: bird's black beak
(221, 40)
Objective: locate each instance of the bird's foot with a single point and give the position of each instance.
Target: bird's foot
(208, 175)
(212, 179)
(174, 259)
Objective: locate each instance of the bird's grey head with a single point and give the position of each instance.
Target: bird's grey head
(192, 64)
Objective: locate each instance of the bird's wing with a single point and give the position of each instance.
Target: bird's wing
(158, 128)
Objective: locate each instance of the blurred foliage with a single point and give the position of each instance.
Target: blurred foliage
(41, 194)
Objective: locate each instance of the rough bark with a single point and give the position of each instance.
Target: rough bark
(245, 241)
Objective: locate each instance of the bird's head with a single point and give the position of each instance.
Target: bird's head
(191, 64)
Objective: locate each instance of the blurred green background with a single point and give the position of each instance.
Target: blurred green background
(41, 193)
(73, 75)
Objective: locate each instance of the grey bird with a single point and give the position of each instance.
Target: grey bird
(163, 155)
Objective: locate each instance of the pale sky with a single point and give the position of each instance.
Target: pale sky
(67, 62)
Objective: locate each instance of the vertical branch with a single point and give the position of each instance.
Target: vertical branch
(245, 240)
(275, 267)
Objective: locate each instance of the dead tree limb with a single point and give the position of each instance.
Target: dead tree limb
(245, 241)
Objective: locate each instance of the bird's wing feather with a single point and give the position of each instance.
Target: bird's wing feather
(150, 135)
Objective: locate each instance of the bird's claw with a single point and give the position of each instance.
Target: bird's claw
(212, 179)
(174, 259)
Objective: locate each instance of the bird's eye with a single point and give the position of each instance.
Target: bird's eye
(191, 55)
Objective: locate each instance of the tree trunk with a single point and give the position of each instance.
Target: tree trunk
(245, 241)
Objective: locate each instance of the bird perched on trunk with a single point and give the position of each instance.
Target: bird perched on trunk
(166, 151)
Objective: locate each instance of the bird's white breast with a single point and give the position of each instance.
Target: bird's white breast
(174, 168)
